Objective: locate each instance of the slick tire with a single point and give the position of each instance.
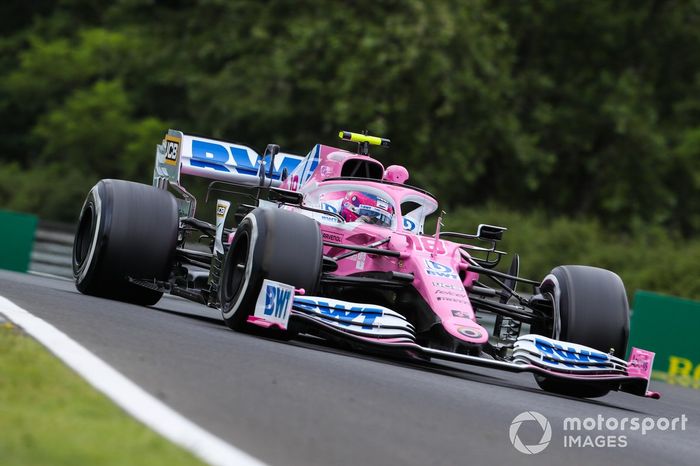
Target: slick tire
(272, 244)
(593, 311)
(125, 230)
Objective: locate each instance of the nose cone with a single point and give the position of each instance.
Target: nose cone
(442, 288)
(465, 329)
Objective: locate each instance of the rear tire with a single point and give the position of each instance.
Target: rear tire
(269, 244)
(125, 230)
(593, 311)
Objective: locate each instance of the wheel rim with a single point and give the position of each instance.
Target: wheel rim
(83, 237)
(238, 261)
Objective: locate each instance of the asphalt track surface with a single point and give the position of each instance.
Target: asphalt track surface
(307, 403)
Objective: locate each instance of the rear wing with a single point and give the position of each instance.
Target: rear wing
(181, 153)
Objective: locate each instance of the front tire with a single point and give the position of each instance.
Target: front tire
(593, 311)
(269, 244)
(125, 230)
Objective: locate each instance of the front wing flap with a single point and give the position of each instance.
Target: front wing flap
(363, 320)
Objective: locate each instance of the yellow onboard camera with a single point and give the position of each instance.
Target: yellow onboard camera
(363, 141)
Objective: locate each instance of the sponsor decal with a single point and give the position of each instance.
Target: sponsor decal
(360, 263)
(575, 355)
(454, 300)
(448, 286)
(334, 237)
(429, 245)
(329, 219)
(451, 293)
(469, 332)
(172, 148)
(233, 158)
(409, 224)
(221, 211)
(275, 302)
(345, 315)
(437, 269)
(460, 314)
(329, 208)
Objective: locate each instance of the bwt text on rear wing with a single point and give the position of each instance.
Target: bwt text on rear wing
(186, 154)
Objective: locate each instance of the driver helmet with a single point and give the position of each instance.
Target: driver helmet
(364, 207)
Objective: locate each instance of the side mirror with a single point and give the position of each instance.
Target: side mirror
(490, 232)
(272, 150)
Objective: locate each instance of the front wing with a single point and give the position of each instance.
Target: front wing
(381, 329)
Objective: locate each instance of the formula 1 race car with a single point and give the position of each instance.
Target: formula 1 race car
(333, 245)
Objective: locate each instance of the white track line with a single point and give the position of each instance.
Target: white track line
(125, 393)
(49, 275)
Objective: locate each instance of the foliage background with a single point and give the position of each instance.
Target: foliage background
(576, 124)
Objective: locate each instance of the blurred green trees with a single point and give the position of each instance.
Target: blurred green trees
(588, 110)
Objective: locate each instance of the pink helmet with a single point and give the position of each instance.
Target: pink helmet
(364, 207)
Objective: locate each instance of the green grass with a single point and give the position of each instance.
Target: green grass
(50, 416)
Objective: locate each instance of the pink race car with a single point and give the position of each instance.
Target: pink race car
(333, 244)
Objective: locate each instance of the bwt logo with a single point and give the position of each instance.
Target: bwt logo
(409, 224)
(276, 301)
(329, 208)
(437, 269)
(208, 154)
(344, 316)
(570, 354)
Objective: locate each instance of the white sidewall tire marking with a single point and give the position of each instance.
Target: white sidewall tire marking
(87, 263)
(248, 268)
(557, 304)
